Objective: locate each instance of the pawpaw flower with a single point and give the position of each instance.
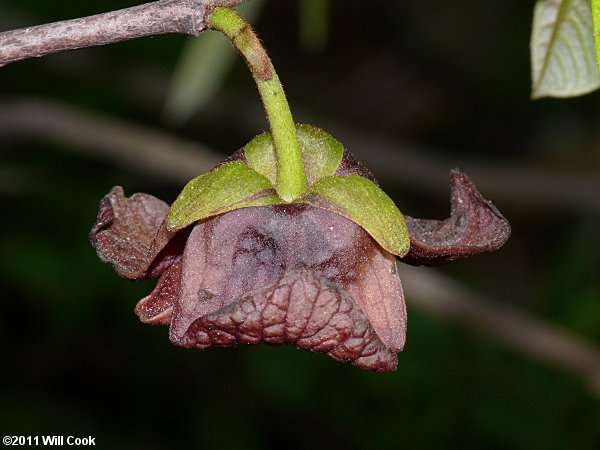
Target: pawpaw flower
(237, 265)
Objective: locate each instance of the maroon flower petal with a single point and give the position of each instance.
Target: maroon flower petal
(226, 257)
(378, 292)
(157, 308)
(231, 255)
(129, 235)
(303, 308)
(475, 225)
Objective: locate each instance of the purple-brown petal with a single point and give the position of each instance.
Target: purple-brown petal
(157, 308)
(475, 225)
(378, 292)
(302, 308)
(129, 234)
(230, 256)
(225, 257)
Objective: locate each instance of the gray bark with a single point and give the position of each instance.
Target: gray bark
(150, 19)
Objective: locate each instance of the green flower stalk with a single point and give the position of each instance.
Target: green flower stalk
(291, 179)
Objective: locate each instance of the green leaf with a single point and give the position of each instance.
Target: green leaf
(562, 49)
(229, 187)
(596, 18)
(364, 203)
(321, 154)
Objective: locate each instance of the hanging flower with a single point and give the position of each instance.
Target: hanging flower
(237, 265)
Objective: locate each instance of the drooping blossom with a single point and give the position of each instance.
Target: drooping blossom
(302, 273)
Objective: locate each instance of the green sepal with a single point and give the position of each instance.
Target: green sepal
(229, 187)
(321, 154)
(363, 202)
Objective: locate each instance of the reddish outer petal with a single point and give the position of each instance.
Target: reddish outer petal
(303, 308)
(229, 256)
(130, 236)
(379, 294)
(224, 258)
(475, 225)
(365, 270)
(157, 308)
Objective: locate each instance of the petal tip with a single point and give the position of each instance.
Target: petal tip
(125, 230)
(475, 225)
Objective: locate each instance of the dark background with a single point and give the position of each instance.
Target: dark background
(413, 88)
